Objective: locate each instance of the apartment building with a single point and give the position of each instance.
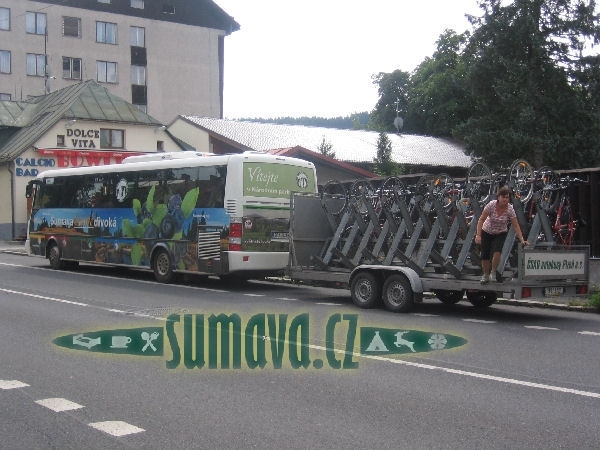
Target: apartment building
(164, 56)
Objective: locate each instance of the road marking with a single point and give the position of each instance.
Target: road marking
(255, 295)
(328, 304)
(479, 321)
(465, 373)
(535, 327)
(43, 297)
(116, 428)
(287, 299)
(59, 404)
(589, 333)
(12, 384)
(425, 315)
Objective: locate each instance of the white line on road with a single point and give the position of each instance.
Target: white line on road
(255, 295)
(465, 373)
(479, 321)
(536, 327)
(589, 333)
(43, 297)
(425, 315)
(328, 304)
(288, 299)
(59, 404)
(116, 427)
(12, 384)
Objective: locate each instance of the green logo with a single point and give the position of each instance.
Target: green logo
(382, 341)
(223, 341)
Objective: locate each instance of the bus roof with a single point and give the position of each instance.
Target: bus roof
(192, 160)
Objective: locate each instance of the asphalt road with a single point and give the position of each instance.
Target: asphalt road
(517, 378)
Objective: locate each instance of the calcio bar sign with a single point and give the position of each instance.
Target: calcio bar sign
(48, 159)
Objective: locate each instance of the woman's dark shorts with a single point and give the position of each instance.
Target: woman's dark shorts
(491, 243)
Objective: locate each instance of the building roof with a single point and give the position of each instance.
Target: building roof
(23, 123)
(355, 146)
(201, 13)
(318, 158)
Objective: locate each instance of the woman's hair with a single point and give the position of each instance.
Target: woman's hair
(504, 190)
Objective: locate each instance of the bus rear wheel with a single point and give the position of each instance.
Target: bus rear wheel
(163, 267)
(54, 257)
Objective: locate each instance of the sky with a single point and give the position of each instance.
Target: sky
(316, 58)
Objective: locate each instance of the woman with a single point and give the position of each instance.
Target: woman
(492, 228)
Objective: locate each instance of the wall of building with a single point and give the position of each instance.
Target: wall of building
(183, 61)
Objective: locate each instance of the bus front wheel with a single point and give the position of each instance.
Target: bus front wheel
(163, 267)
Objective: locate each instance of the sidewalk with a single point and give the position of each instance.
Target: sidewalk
(18, 247)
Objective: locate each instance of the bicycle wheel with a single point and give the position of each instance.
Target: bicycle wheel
(521, 179)
(390, 188)
(547, 185)
(361, 192)
(334, 197)
(479, 183)
(443, 189)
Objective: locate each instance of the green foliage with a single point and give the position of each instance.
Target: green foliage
(326, 148)
(384, 165)
(595, 300)
(393, 90)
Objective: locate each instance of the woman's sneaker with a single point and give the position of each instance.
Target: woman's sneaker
(484, 279)
(493, 278)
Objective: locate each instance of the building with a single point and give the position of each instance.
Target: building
(164, 57)
(355, 147)
(80, 125)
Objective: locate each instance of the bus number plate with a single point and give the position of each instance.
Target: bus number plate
(553, 291)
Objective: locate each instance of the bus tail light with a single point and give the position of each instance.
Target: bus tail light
(235, 235)
(525, 292)
(581, 290)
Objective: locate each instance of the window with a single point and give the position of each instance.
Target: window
(5, 97)
(71, 68)
(111, 138)
(106, 32)
(72, 26)
(168, 9)
(35, 23)
(137, 4)
(4, 19)
(139, 95)
(60, 140)
(36, 64)
(138, 75)
(104, 1)
(137, 36)
(107, 72)
(4, 61)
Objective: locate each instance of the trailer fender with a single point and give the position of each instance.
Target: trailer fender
(384, 271)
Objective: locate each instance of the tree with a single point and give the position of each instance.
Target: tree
(523, 61)
(393, 99)
(325, 148)
(439, 97)
(383, 163)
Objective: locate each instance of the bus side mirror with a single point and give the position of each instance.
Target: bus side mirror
(29, 188)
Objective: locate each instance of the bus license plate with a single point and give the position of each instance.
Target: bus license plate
(553, 291)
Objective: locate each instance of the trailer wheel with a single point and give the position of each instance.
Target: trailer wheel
(365, 290)
(54, 257)
(449, 297)
(397, 294)
(163, 268)
(481, 299)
